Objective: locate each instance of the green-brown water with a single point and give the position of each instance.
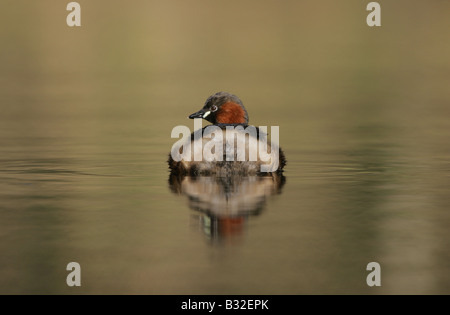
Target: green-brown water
(85, 121)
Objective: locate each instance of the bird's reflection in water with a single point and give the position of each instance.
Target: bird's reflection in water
(223, 205)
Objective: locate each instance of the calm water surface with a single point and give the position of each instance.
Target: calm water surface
(85, 124)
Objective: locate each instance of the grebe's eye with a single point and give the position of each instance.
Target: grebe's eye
(213, 108)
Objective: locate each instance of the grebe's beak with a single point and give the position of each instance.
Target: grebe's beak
(200, 114)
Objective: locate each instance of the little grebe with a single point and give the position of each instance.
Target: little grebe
(228, 114)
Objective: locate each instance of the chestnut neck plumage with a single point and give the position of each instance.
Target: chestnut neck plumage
(231, 113)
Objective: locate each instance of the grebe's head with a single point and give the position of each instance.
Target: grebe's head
(223, 108)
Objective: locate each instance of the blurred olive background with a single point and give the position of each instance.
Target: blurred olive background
(86, 115)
